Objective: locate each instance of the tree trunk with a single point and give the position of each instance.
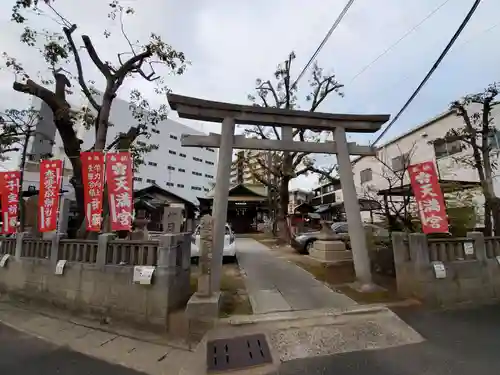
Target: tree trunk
(284, 230)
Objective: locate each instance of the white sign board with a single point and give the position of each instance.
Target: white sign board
(3, 261)
(498, 259)
(60, 267)
(439, 270)
(469, 248)
(143, 274)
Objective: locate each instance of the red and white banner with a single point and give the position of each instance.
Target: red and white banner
(430, 200)
(9, 189)
(48, 203)
(93, 182)
(119, 179)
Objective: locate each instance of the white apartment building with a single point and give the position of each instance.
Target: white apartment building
(419, 145)
(298, 197)
(188, 172)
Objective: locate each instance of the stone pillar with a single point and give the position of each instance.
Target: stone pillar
(172, 219)
(351, 205)
(404, 271)
(54, 249)
(419, 251)
(479, 245)
(222, 184)
(102, 248)
(63, 217)
(173, 271)
(19, 244)
(206, 252)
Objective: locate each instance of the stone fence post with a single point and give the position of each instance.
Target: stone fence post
(422, 270)
(174, 267)
(479, 245)
(19, 245)
(102, 248)
(54, 248)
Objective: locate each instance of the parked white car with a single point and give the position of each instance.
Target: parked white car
(229, 243)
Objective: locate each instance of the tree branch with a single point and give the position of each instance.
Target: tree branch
(104, 69)
(68, 32)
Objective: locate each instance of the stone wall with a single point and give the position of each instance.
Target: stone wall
(471, 268)
(98, 275)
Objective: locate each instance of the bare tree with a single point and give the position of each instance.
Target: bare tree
(282, 93)
(397, 209)
(66, 70)
(479, 135)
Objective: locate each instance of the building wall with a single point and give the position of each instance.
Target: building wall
(187, 172)
(241, 170)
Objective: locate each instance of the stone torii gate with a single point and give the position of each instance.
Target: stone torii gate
(231, 114)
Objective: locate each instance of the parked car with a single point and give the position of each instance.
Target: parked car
(303, 242)
(229, 243)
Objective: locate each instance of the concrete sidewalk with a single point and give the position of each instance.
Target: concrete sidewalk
(142, 356)
(278, 285)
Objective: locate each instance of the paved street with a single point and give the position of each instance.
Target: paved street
(27, 355)
(277, 285)
(458, 342)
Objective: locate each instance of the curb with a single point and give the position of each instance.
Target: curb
(94, 327)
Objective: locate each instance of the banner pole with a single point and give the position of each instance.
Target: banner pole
(60, 197)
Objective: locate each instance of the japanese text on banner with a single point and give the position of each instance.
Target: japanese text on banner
(93, 181)
(50, 184)
(119, 179)
(9, 189)
(429, 198)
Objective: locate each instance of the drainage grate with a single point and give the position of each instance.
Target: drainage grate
(237, 353)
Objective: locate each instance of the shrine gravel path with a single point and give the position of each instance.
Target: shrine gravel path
(275, 284)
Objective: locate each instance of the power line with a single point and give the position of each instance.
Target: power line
(399, 41)
(431, 71)
(325, 39)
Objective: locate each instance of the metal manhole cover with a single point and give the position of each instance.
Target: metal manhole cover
(238, 353)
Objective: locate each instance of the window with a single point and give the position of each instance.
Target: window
(141, 143)
(155, 131)
(181, 170)
(197, 159)
(400, 162)
(170, 184)
(365, 175)
(195, 188)
(138, 179)
(197, 173)
(180, 185)
(153, 164)
(171, 168)
(182, 155)
(172, 152)
(209, 162)
(209, 176)
(210, 149)
(444, 147)
(206, 189)
(151, 181)
(173, 136)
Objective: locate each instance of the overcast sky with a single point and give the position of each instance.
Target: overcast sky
(231, 43)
